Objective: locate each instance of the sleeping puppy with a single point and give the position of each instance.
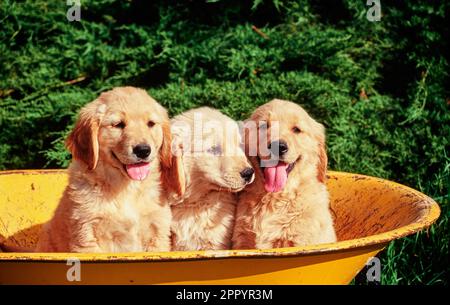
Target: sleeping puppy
(213, 167)
(120, 148)
(288, 204)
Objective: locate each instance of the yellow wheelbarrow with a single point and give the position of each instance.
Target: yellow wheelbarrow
(369, 213)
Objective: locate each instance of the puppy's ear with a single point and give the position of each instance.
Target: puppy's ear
(172, 172)
(178, 169)
(322, 165)
(165, 154)
(82, 142)
(323, 159)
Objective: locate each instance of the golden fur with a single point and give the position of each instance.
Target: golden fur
(102, 208)
(203, 216)
(299, 214)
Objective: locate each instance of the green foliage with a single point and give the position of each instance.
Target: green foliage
(381, 88)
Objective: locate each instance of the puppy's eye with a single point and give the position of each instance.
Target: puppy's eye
(150, 124)
(295, 129)
(215, 150)
(120, 125)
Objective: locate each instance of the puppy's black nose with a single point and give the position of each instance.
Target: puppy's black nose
(247, 174)
(142, 150)
(278, 148)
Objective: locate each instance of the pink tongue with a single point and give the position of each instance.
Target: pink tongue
(138, 171)
(275, 177)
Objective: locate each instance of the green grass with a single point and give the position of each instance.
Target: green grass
(381, 88)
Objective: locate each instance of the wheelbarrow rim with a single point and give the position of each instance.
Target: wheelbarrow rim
(429, 216)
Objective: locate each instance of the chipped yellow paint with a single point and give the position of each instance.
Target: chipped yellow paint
(369, 212)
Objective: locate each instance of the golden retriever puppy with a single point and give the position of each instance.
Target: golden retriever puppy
(212, 167)
(288, 203)
(120, 148)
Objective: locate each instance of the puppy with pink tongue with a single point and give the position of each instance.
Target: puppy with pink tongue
(288, 203)
(120, 171)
